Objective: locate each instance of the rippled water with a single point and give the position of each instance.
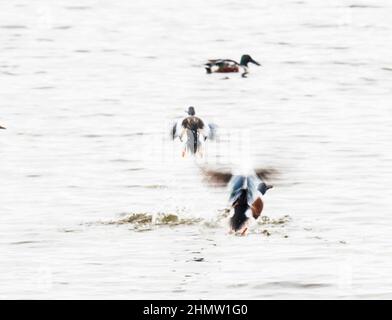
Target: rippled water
(88, 90)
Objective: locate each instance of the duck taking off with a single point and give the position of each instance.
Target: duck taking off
(246, 195)
(227, 65)
(196, 131)
(246, 199)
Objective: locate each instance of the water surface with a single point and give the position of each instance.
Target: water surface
(88, 91)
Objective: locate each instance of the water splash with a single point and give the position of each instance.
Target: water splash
(148, 222)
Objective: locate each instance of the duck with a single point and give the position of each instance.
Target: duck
(246, 199)
(196, 131)
(227, 65)
(246, 195)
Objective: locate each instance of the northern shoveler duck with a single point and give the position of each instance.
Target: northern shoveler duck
(246, 195)
(246, 200)
(227, 65)
(194, 128)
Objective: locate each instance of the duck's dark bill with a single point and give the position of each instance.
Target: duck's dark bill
(255, 62)
(2, 127)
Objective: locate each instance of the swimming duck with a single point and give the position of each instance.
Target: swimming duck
(246, 195)
(194, 128)
(227, 65)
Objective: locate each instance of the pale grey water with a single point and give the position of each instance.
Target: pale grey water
(88, 90)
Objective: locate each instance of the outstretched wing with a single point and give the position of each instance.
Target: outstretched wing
(210, 131)
(175, 129)
(215, 177)
(266, 174)
(222, 178)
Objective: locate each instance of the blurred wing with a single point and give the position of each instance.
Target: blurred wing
(175, 129)
(217, 177)
(266, 174)
(210, 130)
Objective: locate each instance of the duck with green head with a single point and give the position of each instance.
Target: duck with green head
(227, 65)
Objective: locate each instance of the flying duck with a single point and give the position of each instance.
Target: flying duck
(246, 195)
(194, 128)
(227, 65)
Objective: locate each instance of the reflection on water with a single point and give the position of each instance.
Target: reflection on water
(89, 90)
